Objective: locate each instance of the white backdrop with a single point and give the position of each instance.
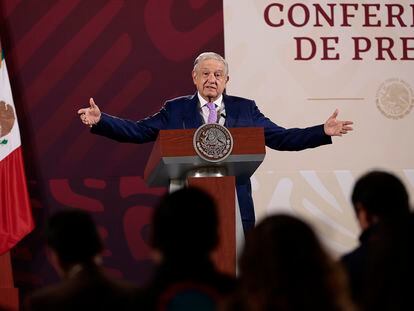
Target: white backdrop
(375, 91)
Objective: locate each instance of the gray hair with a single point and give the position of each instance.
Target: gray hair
(211, 55)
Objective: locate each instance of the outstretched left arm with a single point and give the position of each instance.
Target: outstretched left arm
(334, 127)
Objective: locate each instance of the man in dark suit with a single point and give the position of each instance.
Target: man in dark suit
(75, 248)
(210, 76)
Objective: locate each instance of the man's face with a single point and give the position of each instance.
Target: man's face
(210, 78)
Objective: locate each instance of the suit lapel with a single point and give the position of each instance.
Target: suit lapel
(192, 117)
(232, 111)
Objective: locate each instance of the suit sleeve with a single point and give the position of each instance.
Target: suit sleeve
(138, 132)
(293, 139)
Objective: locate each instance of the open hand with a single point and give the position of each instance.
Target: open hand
(334, 127)
(90, 115)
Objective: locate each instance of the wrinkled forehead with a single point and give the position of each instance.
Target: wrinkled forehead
(212, 65)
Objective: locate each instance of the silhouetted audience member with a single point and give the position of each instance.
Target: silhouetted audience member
(389, 275)
(380, 268)
(284, 267)
(75, 248)
(184, 234)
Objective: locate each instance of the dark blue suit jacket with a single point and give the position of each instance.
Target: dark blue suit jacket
(183, 112)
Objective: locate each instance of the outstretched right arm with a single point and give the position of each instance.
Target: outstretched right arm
(90, 115)
(123, 130)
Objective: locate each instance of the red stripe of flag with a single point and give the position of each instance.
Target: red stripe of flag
(15, 212)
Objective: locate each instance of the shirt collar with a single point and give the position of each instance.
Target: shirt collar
(218, 102)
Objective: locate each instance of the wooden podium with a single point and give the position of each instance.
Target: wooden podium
(174, 157)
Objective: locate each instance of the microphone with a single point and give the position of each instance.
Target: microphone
(222, 118)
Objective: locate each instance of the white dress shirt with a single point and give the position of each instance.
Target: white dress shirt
(219, 104)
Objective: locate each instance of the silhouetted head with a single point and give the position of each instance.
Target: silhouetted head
(284, 267)
(72, 235)
(380, 195)
(282, 246)
(185, 224)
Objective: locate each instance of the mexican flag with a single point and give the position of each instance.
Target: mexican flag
(15, 213)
